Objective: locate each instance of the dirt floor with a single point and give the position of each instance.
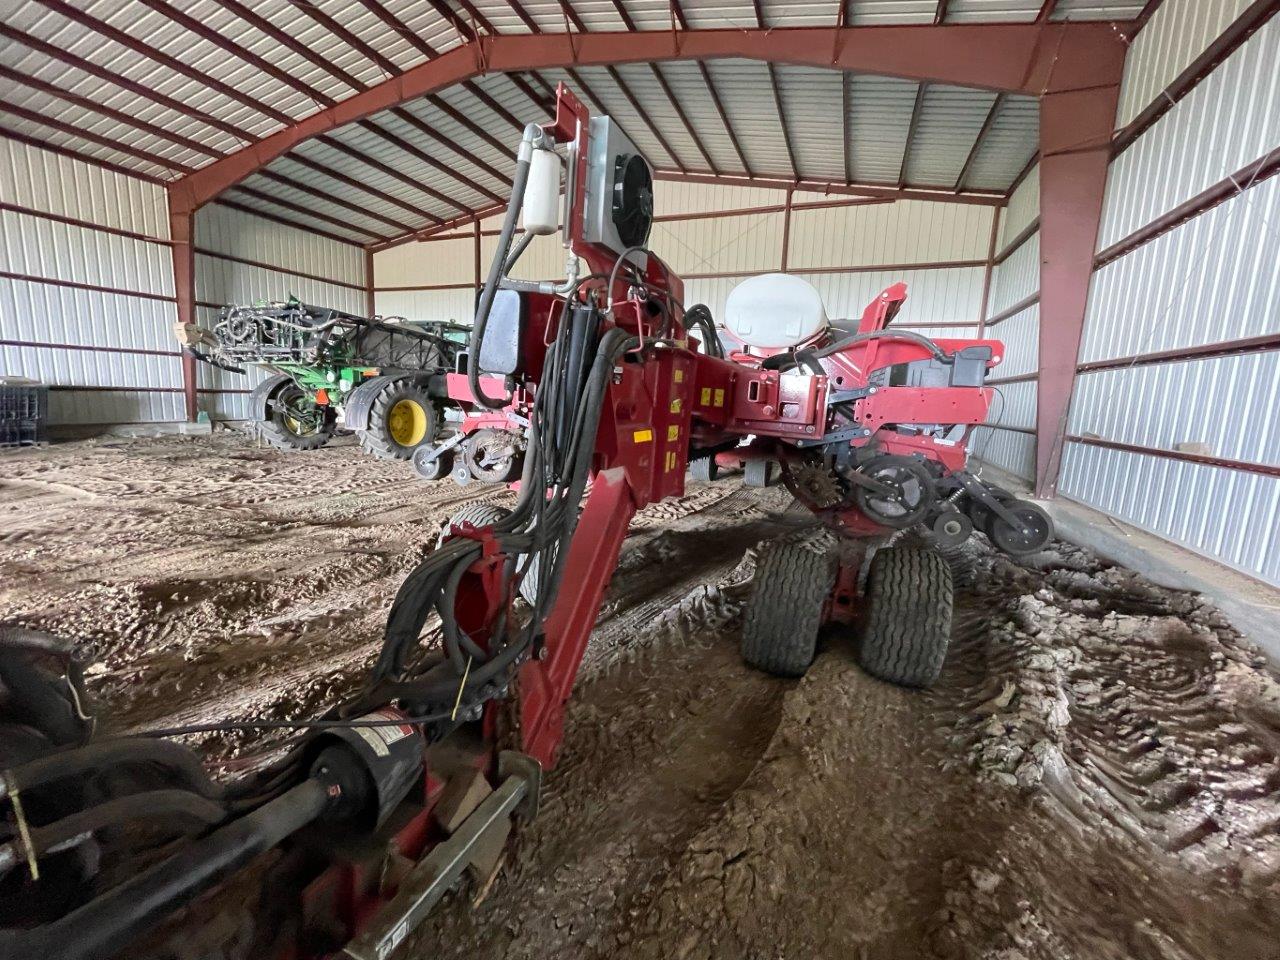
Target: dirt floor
(1096, 775)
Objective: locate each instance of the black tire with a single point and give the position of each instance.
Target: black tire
(759, 473)
(291, 434)
(788, 599)
(704, 469)
(484, 515)
(389, 436)
(909, 600)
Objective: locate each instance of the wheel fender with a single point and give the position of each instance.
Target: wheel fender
(260, 396)
(356, 407)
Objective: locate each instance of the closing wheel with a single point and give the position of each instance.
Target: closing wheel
(485, 515)
(493, 455)
(401, 419)
(909, 599)
(433, 468)
(911, 494)
(704, 469)
(760, 473)
(788, 600)
(294, 421)
(1034, 530)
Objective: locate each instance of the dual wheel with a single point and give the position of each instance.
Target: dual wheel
(908, 605)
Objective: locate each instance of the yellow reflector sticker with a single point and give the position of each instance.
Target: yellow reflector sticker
(671, 461)
(643, 436)
(673, 432)
(675, 405)
(679, 376)
(719, 398)
(706, 396)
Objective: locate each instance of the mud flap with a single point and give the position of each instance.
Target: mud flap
(260, 397)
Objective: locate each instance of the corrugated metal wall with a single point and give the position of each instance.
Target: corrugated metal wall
(715, 254)
(241, 258)
(1014, 280)
(1212, 279)
(87, 306)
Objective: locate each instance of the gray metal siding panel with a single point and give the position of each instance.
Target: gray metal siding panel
(1213, 278)
(1183, 502)
(1230, 120)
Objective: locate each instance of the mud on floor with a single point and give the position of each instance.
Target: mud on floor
(1096, 775)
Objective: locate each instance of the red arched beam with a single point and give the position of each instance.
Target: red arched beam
(1013, 58)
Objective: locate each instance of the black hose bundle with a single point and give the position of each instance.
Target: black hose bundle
(698, 317)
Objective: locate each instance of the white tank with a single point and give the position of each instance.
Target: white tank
(775, 311)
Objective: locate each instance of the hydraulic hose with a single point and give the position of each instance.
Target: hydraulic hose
(883, 335)
(532, 134)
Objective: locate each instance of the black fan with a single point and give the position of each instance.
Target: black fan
(632, 199)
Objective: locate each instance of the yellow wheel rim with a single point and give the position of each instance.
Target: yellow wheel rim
(407, 423)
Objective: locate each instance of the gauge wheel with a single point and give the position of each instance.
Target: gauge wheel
(295, 422)
(433, 469)
(1033, 534)
(704, 469)
(493, 456)
(401, 419)
(914, 492)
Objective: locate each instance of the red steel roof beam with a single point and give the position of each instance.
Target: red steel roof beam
(265, 197)
(334, 144)
(328, 197)
(203, 30)
(71, 130)
(426, 158)
(138, 89)
(1010, 57)
(104, 29)
(363, 187)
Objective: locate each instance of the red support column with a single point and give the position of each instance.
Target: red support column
(369, 306)
(786, 231)
(182, 234)
(1075, 149)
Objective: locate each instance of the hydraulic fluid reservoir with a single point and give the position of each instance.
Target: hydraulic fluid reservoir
(541, 212)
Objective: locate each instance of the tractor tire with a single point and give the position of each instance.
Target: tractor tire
(401, 419)
(704, 469)
(484, 515)
(290, 434)
(760, 473)
(793, 581)
(909, 599)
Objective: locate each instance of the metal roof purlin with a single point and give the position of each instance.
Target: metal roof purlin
(1015, 58)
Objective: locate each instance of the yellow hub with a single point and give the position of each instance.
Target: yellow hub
(407, 423)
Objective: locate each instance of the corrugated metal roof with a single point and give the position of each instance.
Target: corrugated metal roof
(279, 61)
